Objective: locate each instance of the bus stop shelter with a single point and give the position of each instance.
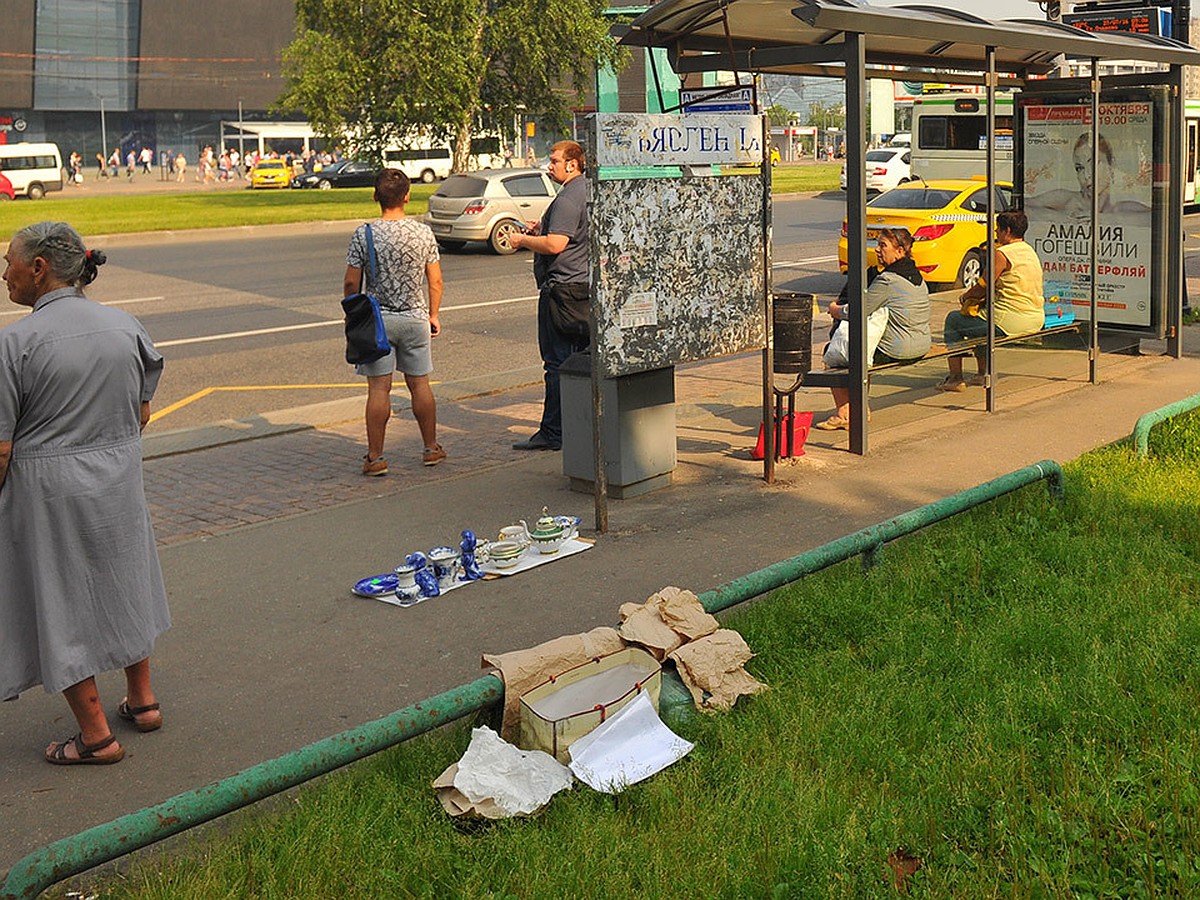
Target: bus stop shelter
(841, 39)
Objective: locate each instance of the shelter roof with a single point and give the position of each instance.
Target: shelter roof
(806, 37)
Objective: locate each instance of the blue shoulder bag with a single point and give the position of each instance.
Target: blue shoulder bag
(366, 338)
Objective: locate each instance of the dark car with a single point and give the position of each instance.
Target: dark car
(346, 173)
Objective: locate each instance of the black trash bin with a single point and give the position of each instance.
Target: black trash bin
(793, 333)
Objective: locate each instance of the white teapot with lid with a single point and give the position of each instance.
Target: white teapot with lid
(550, 533)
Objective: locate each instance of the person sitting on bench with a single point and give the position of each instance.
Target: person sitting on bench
(1020, 304)
(900, 289)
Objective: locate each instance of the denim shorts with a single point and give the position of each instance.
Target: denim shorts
(410, 340)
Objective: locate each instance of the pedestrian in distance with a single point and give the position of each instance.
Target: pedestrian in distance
(408, 285)
(560, 267)
(101, 171)
(180, 167)
(83, 591)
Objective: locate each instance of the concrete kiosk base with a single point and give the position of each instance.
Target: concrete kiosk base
(639, 429)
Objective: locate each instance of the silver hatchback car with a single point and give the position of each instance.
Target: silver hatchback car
(488, 206)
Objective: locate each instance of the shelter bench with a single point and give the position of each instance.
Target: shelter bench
(831, 378)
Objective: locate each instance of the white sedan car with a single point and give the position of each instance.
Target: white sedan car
(886, 168)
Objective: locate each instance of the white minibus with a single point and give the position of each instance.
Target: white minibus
(33, 169)
(949, 136)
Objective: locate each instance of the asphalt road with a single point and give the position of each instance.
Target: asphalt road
(249, 322)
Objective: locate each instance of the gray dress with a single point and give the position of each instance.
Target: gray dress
(81, 590)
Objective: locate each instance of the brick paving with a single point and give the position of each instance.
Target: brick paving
(209, 491)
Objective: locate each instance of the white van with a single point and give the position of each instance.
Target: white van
(33, 169)
(426, 165)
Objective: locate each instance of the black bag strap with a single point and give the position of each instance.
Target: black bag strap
(370, 260)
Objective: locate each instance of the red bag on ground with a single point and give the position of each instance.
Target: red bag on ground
(799, 427)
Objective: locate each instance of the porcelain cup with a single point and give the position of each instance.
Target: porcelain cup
(406, 587)
(504, 554)
(445, 562)
(515, 533)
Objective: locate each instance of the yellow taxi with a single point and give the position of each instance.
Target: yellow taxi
(270, 173)
(947, 219)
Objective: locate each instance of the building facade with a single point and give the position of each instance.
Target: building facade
(95, 75)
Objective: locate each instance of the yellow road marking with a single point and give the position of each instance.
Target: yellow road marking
(180, 404)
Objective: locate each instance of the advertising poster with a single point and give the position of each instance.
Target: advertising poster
(1058, 200)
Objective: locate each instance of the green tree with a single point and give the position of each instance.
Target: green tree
(825, 116)
(780, 115)
(380, 72)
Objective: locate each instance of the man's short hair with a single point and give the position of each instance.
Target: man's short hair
(1014, 221)
(571, 150)
(391, 188)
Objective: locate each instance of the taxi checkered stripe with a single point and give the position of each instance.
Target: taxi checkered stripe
(955, 217)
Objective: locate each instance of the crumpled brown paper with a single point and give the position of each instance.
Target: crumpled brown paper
(525, 669)
(713, 665)
(665, 621)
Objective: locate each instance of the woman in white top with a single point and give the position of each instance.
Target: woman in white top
(1020, 303)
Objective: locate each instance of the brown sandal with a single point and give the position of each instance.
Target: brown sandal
(131, 713)
(87, 752)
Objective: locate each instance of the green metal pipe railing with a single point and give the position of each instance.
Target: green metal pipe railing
(103, 843)
(870, 540)
(72, 855)
(1141, 429)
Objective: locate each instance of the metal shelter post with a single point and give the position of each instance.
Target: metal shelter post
(1176, 283)
(770, 425)
(856, 216)
(1094, 325)
(989, 372)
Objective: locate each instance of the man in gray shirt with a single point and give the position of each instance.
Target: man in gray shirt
(560, 266)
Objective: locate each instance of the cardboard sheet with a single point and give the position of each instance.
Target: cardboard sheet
(525, 669)
(712, 669)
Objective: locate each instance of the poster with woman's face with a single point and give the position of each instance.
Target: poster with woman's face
(1059, 190)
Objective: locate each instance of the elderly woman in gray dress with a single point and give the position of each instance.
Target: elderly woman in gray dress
(81, 591)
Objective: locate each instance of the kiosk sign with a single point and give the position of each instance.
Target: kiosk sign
(1058, 190)
(629, 139)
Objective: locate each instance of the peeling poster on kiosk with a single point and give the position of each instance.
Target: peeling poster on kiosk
(1058, 201)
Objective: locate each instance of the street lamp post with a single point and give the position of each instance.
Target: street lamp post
(241, 133)
(103, 134)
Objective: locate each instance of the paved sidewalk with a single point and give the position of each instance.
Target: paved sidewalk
(261, 540)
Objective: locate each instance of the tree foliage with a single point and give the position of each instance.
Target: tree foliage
(379, 72)
(832, 115)
(780, 115)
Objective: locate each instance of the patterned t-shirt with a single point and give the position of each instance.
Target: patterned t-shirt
(403, 248)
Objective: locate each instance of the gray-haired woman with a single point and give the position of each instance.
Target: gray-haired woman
(83, 592)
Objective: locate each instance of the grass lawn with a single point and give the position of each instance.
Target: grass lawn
(1009, 696)
(183, 211)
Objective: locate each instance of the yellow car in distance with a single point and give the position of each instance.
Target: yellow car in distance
(947, 219)
(270, 173)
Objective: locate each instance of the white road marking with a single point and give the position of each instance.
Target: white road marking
(257, 332)
(23, 310)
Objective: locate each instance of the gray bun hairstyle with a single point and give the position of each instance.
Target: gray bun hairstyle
(62, 248)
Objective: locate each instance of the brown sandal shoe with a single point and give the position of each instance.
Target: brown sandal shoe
(87, 752)
(131, 713)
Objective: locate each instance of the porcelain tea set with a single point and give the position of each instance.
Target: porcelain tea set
(548, 535)
(425, 575)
